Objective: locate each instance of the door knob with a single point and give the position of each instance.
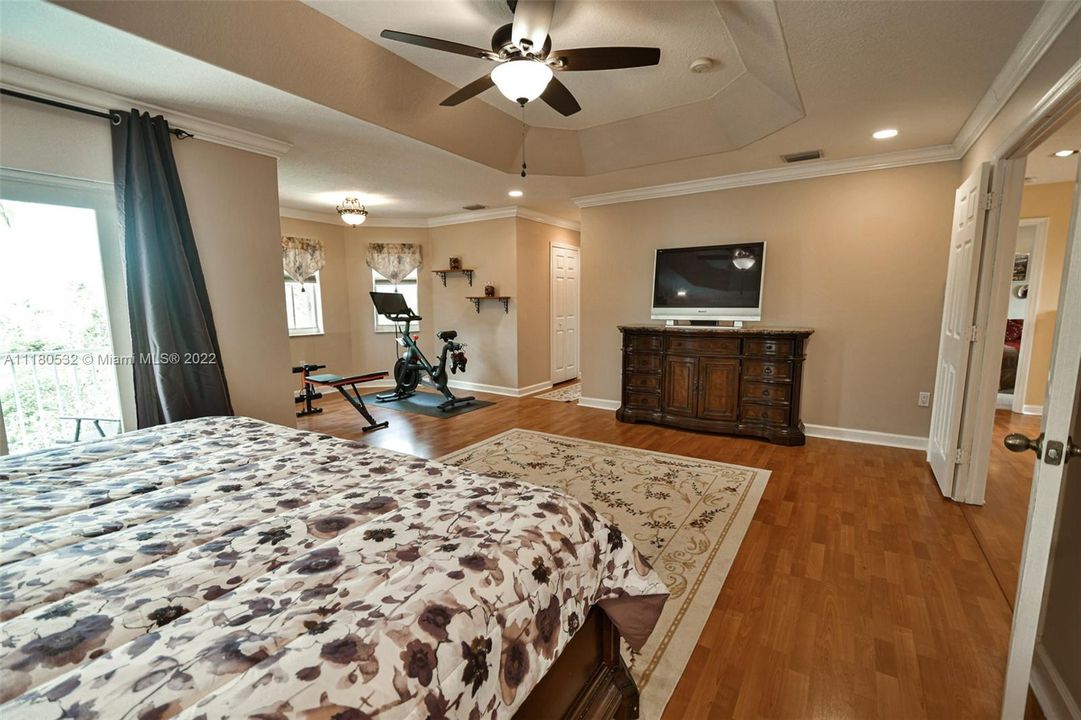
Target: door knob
(1016, 442)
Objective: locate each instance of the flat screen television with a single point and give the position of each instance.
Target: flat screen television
(713, 282)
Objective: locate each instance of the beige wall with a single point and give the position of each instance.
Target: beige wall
(333, 347)
(506, 350)
(491, 336)
(534, 241)
(1053, 201)
(371, 350)
(861, 258)
(232, 196)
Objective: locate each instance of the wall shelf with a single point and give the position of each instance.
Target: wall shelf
(475, 299)
(443, 275)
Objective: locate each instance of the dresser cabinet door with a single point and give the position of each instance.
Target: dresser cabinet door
(718, 397)
(680, 385)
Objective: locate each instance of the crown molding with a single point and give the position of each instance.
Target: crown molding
(27, 81)
(439, 221)
(1050, 21)
(538, 216)
(803, 171)
(473, 216)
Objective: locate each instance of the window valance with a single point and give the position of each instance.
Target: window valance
(393, 260)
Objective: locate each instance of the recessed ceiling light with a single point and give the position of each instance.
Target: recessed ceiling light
(1065, 153)
(515, 193)
(884, 134)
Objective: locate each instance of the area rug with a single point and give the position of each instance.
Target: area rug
(568, 393)
(688, 516)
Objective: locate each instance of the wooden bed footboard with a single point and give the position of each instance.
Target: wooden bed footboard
(588, 681)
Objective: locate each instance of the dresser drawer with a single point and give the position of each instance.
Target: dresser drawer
(642, 381)
(643, 342)
(643, 400)
(769, 414)
(767, 392)
(642, 362)
(768, 347)
(767, 370)
(703, 346)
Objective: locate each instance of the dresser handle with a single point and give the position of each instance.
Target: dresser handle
(767, 370)
(765, 393)
(770, 347)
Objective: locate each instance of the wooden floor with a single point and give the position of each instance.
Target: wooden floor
(858, 591)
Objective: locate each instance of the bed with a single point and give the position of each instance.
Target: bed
(228, 568)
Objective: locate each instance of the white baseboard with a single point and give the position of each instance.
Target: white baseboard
(598, 403)
(1032, 409)
(1050, 689)
(499, 389)
(868, 437)
(1004, 401)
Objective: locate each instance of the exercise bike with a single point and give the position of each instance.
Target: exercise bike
(411, 364)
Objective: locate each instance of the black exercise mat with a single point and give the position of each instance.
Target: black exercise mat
(423, 403)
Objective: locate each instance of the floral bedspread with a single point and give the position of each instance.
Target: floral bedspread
(228, 568)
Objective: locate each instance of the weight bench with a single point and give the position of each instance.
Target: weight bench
(340, 384)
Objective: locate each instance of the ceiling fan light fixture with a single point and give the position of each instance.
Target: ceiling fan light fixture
(522, 80)
(352, 212)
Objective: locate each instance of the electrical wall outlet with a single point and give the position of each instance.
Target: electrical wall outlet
(924, 400)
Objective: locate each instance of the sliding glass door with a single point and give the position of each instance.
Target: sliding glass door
(64, 342)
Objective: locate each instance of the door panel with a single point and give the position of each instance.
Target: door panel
(958, 312)
(680, 385)
(1039, 583)
(719, 388)
(564, 290)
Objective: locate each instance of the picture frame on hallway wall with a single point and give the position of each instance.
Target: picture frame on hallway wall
(1020, 267)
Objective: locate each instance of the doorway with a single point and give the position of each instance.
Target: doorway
(63, 370)
(564, 311)
(1026, 315)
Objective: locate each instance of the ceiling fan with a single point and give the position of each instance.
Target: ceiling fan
(526, 62)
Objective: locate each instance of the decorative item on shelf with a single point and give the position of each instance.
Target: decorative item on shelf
(475, 299)
(393, 260)
(455, 263)
(352, 212)
(302, 258)
(489, 290)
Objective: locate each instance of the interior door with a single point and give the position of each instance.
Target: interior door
(719, 389)
(680, 395)
(564, 313)
(958, 312)
(1060, 439)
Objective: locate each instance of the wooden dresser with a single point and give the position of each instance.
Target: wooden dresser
(740, 381)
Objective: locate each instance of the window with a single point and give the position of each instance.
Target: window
(408, 289)
(304, 307)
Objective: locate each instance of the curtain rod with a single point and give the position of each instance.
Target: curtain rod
(180, 134)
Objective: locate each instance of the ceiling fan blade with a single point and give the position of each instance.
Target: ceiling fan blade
(436, 44)
(605, 58)
(532, 19)
(472, 89)
(559, 97)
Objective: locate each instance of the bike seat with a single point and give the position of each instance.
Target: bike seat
(445, 335)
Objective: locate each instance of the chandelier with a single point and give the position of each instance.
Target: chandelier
(302, 258)
(352, 212)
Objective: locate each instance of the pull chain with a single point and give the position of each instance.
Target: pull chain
(523, 139)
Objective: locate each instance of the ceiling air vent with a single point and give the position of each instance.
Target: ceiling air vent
(801, 156)
(475, 206)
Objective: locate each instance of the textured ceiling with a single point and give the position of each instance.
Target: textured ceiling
(1044, 167)
(858, 67)
(683, 30)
